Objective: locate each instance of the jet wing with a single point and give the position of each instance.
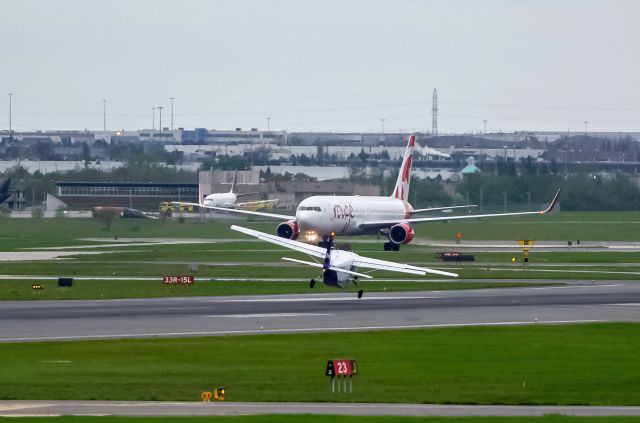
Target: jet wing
(302, 247)
(371, 263)
(358, 261)
(432, 209)
(381, 224)
(224, 209)
(255, 203)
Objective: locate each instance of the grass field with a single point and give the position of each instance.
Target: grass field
(591, 226)
(306, 418)
(595, 364)
(263, 260)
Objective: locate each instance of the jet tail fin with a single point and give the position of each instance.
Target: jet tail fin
(401, 189)
(233, 184)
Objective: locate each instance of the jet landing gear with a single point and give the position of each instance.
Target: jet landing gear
(391, 246)
(312, 283)
(355, 283)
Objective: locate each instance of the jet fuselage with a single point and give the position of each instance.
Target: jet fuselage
(342, 215)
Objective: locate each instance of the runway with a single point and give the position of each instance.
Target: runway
(124, 408)
(313, 312)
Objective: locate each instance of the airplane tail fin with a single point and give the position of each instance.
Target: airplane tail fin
(401, 190)
(233, 184)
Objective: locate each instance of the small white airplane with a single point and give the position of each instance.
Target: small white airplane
(320, 216)
(339, 268)
(228, 200)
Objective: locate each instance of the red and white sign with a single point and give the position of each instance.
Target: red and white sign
(342, 367)
(178, 280)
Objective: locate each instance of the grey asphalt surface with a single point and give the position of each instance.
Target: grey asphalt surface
(313, 312)
(123, 408)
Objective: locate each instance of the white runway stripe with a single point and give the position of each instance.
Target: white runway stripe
(261, 315)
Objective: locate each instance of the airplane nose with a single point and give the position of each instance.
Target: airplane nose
(302, 217)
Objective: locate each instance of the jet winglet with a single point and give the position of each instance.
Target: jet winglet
(553, 203)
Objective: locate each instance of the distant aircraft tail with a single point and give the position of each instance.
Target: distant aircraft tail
(401, 190)
(233, 184)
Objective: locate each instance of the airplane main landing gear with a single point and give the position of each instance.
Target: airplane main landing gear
(312, 283)
(390, 246)
(360, 293)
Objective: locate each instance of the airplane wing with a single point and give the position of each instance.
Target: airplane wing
(248, 193)
(371, 263)
(224, 209)
(320, 252)
(337, 269)
(302, 247)
(255, 203)
(432, 209)
(381, 224)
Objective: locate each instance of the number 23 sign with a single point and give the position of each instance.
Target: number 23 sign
(341, 368)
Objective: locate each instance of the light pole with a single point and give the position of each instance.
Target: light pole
(485, 126)
(481, 194)
(382, 125)
(171, 98)
(10, 130)
(160, 117)
(504, 194)
(104, 115)
(268, 124)
(153, 119)
(586, 126)
(529, 199)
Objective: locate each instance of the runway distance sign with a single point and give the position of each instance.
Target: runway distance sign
(341, 368)
(178, 279)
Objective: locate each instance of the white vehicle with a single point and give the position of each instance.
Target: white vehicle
(339, 268)
(320, 216)
(228, 200)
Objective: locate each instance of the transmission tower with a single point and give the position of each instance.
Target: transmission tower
(434, 113)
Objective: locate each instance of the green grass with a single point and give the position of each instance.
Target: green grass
(595, 364)
(308, 418)
(592, 226)
(159, 259)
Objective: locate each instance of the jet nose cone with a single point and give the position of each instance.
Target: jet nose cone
(303, 219)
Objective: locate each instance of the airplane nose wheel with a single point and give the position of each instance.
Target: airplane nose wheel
(360, 293)
(312, 283)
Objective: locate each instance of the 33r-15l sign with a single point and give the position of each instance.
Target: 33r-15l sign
(178, 279)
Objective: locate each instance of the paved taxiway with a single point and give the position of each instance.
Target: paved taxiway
(334, 311)
(124, 408)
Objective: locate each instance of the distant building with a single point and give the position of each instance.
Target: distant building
(139, 195)
(302, 190)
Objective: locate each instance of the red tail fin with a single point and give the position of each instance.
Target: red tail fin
(401, 190)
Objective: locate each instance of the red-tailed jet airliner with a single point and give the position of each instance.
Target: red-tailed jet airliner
(324, 215)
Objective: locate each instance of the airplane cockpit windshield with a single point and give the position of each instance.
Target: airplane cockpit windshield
(309, 208)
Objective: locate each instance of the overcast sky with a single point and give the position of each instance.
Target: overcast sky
(322, 65)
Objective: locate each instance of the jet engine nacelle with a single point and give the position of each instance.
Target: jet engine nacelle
(401, 233)
(288, 229)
